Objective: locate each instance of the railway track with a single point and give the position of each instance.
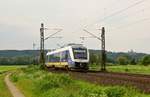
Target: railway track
(139, 81)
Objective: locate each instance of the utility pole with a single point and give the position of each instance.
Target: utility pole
(42, 59)
(103, 52)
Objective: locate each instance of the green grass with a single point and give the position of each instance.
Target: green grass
(4, 92)
(4, 68)
(138, 69)
(34, 82)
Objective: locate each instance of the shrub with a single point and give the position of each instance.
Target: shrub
(87, 90)
(122, 60)
(126, 69)
(115, 92)
(50, 81)
(14, 78)
(31, 69)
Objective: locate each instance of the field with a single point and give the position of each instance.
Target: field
(34, 82)
(137, 69)
(9, 68)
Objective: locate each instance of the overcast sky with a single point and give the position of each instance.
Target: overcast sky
(129, 29)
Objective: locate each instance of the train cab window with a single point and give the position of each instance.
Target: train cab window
(80, 53)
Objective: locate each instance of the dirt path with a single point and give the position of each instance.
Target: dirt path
(14, 91)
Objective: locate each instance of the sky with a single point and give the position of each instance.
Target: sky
(127, 28)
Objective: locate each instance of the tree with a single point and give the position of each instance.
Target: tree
(133, 62)
(146, 60)
(122, 60)
(95, 59)
(3, 61)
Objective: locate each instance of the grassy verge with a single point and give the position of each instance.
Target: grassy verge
(34, 82)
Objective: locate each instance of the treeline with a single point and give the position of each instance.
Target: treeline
(113, 58)
(18, 57)
(25, 57)
(19, 60)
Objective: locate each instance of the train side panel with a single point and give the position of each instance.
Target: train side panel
(70, 57)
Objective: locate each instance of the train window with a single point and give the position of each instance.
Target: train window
(80, 53)
(64, 56)
(56, 57)
(50, 58)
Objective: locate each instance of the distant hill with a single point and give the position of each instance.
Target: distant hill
(18, 53)
(18, 57)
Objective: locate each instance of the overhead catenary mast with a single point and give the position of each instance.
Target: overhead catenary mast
(103, 51)
(42, 40)
(42, 59)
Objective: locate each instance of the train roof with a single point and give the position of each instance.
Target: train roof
(66, 47)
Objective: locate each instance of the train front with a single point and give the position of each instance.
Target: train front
(80, 57)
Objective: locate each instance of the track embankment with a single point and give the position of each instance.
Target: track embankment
(141, 82)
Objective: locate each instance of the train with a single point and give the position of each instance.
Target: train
(71, 57)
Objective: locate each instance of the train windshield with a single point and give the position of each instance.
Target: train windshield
(80, 53)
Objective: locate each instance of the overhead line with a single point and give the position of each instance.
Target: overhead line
(91, 34)
(52, 35)
(120, 11)
(136, 22)
(126, 16)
